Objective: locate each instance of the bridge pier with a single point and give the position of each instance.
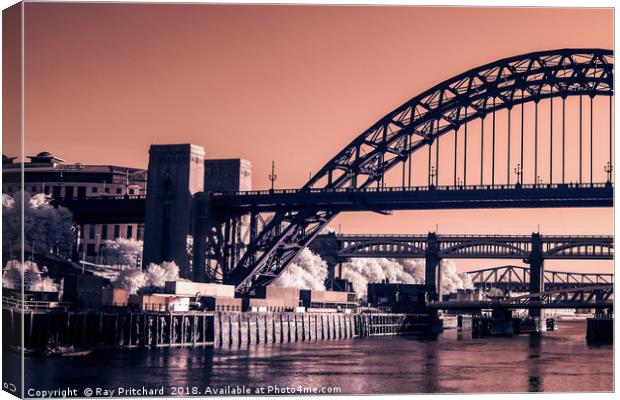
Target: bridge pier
(327, 246)
(199, 243)
(218, 240)
(432, 270)
(537, 272)
(178, 207)
(175, 174)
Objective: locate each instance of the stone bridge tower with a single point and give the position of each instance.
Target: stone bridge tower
(178, 210)
(175, 174)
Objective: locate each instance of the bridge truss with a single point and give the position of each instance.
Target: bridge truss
(517, 278)
(600, 297)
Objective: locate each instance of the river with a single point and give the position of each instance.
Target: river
(452, 363)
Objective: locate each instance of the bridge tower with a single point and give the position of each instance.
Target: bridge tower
(175, 175)
(537, 270)
(219, 239)
(432, 271)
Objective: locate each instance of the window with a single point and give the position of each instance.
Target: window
(129, 232)
(90, 249)
(81, 192)
(57, 192)
(139, 232)
(34, 189)
(91, 231)
(119, 191)
(94, 189)
(104, 232)
(117, 231)
(69, 193)
(107, 190)
(46, 189)
(131, 191)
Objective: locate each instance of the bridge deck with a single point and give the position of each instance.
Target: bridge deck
(419, 198)
(488, 305)
(131, 209)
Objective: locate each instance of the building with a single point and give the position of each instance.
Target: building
(46, 173)
(398, 296)
(327, 300)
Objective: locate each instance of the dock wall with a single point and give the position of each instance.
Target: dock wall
(125, 329)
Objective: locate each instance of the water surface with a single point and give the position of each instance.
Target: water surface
(452, 363)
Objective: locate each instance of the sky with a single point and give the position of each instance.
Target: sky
(293, 84)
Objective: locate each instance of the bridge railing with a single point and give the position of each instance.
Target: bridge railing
(32, 305)
(106, 197)
(472, 236)
(373, 189)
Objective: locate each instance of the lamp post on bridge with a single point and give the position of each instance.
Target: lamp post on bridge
(273, 176)
(431, 176)
(519, 172)
(609, 169)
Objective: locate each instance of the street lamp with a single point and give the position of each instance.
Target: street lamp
(538, 180)
(273, 176)
(519, 172)
(432, 174)
(609, 169)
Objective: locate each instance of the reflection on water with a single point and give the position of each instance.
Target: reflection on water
(453, 362)
(533, 363)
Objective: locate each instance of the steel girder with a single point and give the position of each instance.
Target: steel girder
(600, 296)
(591, 294)
(416, 124)
(521, 275)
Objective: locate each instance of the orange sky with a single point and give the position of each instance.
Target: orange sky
(290, 83)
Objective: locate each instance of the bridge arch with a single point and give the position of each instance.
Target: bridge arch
(460, 249)
(577, 246)
(472, 95)
(415, 125)
(361, 248)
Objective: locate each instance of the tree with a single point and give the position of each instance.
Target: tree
(308, 271)
(154, 278)
(124, 252)
(45, 226)
(33, 279)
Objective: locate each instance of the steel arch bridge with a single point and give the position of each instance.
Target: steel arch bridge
(415, 129)
(517, 278)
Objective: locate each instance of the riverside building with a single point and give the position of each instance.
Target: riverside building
(46, 173)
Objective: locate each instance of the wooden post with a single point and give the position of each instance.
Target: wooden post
(204, 329)
(116, 335)
(171, 329)
(194, 329)
(182, 329)
(145, 336)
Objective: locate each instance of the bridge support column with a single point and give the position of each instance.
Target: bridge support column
(199, 244)
(537, 272)
(175, 174)
(222, 235)
(432, 271)
(331, 274)
(327, 246)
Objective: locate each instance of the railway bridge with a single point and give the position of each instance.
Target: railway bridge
(533, 250)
